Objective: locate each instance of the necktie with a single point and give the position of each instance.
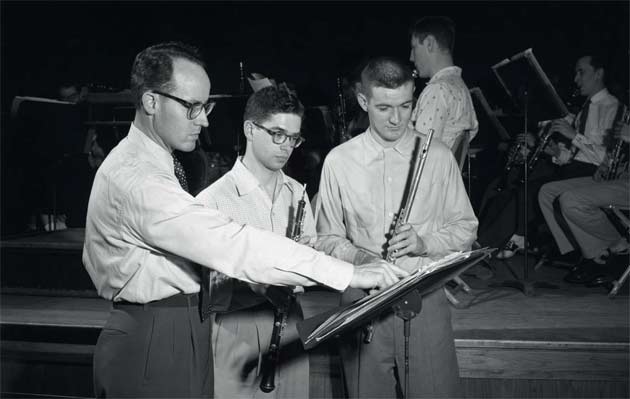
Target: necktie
(584, 116)
(206, 278)
(179, 173)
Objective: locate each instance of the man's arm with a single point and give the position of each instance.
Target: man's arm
(168, 220)
(430, 111)
(459, 228)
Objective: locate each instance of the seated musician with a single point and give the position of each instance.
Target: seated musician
(444, 104)
(504, 219)
(582, 224)
(256, 192)
(361, 188)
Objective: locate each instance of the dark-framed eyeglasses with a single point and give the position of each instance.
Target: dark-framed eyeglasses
(279, 137)
(194, 109)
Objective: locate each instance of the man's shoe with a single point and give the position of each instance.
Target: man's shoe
(584, 272)
(601, 280)
(509, 250)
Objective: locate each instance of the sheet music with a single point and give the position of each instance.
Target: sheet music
(366, 304)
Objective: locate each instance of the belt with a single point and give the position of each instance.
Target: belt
(175, 301)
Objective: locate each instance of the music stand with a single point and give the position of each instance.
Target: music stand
(523, 78)
(403, 297)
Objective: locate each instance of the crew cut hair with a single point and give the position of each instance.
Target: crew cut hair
(440, 27)
(272, 100)
(153, 68)
(388, 72)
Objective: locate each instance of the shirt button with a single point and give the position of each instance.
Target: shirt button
(389, 179)
(391, 214)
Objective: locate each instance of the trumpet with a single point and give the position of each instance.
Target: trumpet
(281, 298)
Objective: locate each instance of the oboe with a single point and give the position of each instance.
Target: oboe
(281, 298)
(403, 214)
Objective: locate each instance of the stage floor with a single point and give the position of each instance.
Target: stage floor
(572, 333)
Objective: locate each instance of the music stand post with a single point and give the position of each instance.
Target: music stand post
(526, 285)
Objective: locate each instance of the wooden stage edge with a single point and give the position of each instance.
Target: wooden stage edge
(493, 339)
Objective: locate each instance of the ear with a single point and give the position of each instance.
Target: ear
(248, 128)
(430, 43)
(599, 74)
(362, 100)
(149, 103)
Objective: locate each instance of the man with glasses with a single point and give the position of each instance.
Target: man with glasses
(150, 247)
(256, 192)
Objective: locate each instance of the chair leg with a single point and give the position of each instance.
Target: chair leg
(617, 284)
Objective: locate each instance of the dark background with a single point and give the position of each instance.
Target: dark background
(306, 43)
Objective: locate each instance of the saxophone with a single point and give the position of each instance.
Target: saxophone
(281, 298)
(617, 154)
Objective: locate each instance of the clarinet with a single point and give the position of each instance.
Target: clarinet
(341, 113)
(281, 298)
(403, 214)
(617, 154)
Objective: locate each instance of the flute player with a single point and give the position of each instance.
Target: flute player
(361, 189)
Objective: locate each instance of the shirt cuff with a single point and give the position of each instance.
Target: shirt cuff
(333, 273)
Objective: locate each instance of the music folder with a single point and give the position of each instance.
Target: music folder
(317, 329)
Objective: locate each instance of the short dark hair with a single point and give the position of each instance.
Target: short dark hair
(441, 28)
(153, 67)
(388, 72)
(272, 100)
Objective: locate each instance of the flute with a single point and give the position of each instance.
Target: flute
(403, 214)
(281, 298)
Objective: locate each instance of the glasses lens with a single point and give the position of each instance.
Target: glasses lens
(194, 111)
(279, 138)
(298, 141)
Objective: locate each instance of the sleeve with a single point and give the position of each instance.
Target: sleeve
(430, 111)
(331, 230)
(167, 219)
(591, 143)
(458, 230)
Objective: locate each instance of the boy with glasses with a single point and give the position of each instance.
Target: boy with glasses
(256, 192)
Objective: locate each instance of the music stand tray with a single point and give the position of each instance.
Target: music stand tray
(320, 328)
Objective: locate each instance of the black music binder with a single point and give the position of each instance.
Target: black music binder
(317, 329)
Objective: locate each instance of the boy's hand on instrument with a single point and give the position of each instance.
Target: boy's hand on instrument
(376, 275)
(406, 241)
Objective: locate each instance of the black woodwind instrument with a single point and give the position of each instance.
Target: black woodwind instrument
(281, 298)
(342, 126)
(403, 214)
(617, 155)
(514, 159)
(544, 139)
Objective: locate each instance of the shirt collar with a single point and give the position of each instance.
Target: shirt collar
(139, 138)
(600, 95)
(245, 180)
(373, 148)
(450, 70)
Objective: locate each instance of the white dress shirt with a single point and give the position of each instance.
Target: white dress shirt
(361, 189)
(446, 107)
(143, 231)
(601, 114)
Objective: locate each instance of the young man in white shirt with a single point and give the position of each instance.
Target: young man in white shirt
(360, 191)
(256, 192)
